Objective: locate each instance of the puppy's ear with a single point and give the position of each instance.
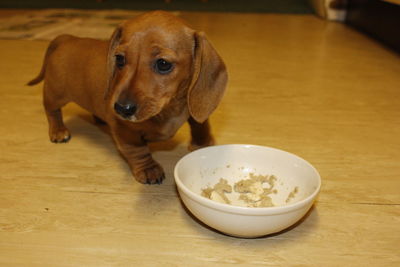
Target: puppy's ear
(114, 42)
(209, 79)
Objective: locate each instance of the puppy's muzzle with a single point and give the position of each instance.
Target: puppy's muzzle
(126, 110)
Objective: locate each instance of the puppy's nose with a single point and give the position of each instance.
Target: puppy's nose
(125, 110)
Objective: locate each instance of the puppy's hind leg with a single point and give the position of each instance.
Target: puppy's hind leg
(58, 133)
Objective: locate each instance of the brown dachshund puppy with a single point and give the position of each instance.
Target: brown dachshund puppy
(153, 75)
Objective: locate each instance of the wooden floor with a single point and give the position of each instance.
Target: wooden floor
(313, 88)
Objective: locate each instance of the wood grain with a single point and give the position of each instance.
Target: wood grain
(314, 88)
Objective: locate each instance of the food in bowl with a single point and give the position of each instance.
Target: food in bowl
(296, 184)
(218, 191)
(254, 191)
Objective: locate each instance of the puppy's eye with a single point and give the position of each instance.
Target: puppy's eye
(120, 61)
(163, 67)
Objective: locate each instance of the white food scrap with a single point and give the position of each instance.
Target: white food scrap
(292, 194)
(254, 192)
(217, 193)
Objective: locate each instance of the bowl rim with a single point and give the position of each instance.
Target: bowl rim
(247, 210)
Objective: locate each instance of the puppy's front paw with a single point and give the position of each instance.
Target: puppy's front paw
(150, 175)
(61, 135)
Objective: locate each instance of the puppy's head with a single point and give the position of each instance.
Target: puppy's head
(155, 60)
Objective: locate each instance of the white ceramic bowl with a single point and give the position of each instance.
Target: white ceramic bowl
(204, 168)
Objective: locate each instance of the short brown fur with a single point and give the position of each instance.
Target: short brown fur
(84, 71)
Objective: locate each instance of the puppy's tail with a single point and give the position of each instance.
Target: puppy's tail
(38, 79)
(52, 46)
(40, 76)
